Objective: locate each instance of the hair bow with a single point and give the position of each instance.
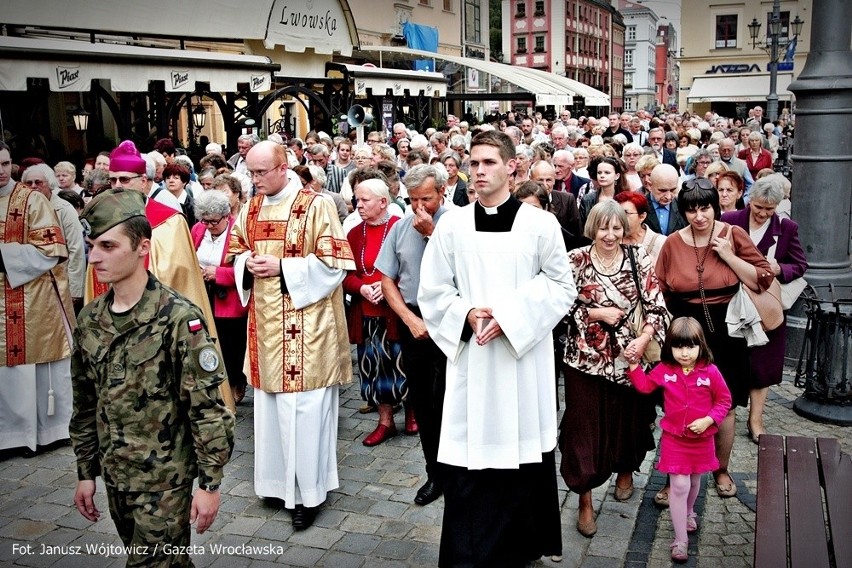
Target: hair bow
(702, 382)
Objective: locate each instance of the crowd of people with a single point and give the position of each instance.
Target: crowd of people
(468, 265)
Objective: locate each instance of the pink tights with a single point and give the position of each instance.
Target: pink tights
(682, 495)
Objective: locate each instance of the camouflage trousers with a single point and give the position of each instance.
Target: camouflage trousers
(154, 526)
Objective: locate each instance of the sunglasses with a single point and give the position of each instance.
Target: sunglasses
(698, 183)
(122, 179)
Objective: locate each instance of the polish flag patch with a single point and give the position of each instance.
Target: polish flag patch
(194, 325)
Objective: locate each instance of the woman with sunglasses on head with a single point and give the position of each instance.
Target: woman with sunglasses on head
(700, 269)
(608, 181)
(210, 237)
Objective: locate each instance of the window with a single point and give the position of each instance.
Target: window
(628, 80)
(628, 57)
(522, 45)
(472, 21)
(784, 33)
(628, 103)
(539, 44)
(631, 33)
(521, 9)
(425, 2)
(448, 5)
(726, 31)
(539, 8)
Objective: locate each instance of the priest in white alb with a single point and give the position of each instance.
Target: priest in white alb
(290, 260)
(495, 281)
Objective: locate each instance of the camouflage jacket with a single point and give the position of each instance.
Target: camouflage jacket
(148, 415)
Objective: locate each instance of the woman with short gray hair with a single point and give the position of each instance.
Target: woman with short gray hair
(66, 176)
(211, 236)
(778, 240)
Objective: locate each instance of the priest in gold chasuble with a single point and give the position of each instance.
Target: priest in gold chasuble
(36, 318)
(290, 260)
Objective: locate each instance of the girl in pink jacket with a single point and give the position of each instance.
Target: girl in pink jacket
(695, 401)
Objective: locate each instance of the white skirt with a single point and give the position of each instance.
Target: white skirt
(295, 445)
(24, 419)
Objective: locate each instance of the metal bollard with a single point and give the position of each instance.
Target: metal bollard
(825, 362)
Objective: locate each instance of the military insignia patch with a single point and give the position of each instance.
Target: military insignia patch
(194, 325)
(208, 359)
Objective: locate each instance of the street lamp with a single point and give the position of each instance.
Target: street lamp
(772, 38)
(199, 117)
(81, 119)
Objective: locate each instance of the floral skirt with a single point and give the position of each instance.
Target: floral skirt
(380, 365)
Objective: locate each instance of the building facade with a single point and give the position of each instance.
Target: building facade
(578, 39)
(667, 78)
(721, 71)
(640, 58)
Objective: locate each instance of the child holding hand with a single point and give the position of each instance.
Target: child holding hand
(695, 401)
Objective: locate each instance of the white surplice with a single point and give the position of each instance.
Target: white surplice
(500, 402)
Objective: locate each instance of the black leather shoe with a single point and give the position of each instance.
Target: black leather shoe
(428, 493)
(303, 517)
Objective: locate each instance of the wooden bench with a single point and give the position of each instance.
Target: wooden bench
(804, 504)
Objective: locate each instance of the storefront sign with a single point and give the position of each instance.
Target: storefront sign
(260, 83)
(179, 79)
(318, 24)
(741, 68)
(67, 77)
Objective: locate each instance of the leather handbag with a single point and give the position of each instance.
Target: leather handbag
(768, 305)
(791, 290)
(637, 318)
(768, 302)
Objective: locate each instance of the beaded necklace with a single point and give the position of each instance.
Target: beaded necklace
(700, 268)
(364, 244)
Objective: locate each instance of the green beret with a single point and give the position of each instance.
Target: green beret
(109, 208)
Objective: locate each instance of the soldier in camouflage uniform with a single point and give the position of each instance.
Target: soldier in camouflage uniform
(148, 416)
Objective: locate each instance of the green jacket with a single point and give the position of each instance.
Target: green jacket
(147, 411)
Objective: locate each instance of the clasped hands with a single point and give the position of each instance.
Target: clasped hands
(484, 325)
(372, 292)
(263, 265)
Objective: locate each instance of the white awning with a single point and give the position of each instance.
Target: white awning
(379, 80)
(737, 88)
(548, 88)
(326, 26)
(70, 65)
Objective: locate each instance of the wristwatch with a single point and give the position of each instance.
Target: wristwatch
(209, 488)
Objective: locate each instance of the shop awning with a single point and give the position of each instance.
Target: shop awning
(737, 88)
(379, 80)
(547, 88)
(70, 65)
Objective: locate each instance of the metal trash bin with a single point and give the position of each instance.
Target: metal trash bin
(825, 362)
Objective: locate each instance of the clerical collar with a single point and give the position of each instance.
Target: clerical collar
(501, 220)
(496, 209)
(7, 189)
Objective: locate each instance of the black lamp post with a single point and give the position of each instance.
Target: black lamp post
(199, 117)
(773, 35)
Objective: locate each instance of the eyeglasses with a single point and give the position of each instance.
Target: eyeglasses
(698, 183)
(35, 182)
(122, 179)
(212, 222)
(704, 163)
(261, 173)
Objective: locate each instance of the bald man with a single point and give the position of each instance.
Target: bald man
(562, 203)
(664, 217)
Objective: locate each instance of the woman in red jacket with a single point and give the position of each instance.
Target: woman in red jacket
(372, 323)
(755, 156)
(210, 237)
